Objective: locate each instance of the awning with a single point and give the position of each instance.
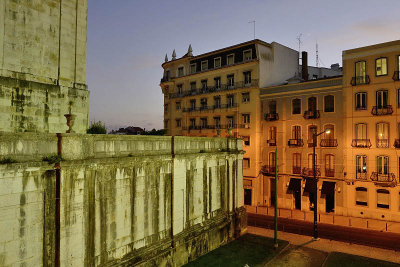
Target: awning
(294, 184)
(310, 186)
(328, 188)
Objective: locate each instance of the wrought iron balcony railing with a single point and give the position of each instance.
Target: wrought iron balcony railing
(397, 143)
(210, 108)
(396, 76)
(361, 143)
(311, 114)
(361, 175)
(383, 177)
(310, 143)
(268, 170)
(295, 142)
(329, 143)
(271, 142)
(271, 116)
(330, 172)
(382, 143)
(309, 172)
(296, 170)
(382, 110)
(357, 80)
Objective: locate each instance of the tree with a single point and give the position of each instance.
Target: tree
(97, 128)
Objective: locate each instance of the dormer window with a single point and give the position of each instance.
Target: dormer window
(247, 55)
(230, 59)
(204, 65)
(180, 71)
(193, 68)
(217, 62)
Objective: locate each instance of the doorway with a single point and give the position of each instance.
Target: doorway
(247, 197)
(272, 192)
(328, 189)
(295, 189)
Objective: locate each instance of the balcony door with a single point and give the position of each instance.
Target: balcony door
(272, 107)
(382, 99)
(382, 165)
(361, 131)
(296, 132)
(360, 71)
(331, 134)
(312, 103)
(271, 161)
(382, 134)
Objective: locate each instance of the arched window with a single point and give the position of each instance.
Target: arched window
(329, 165)
(311, 130)
(361, 196)
(329, 101)
(383, 199)
(296, 106)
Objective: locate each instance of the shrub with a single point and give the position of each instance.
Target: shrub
(97, 128)
(52, 159)
(7, 160)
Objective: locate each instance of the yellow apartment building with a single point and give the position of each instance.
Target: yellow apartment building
(217, 93)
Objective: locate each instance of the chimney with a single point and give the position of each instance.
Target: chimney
(304, 66)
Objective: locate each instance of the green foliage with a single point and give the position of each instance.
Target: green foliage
(155, 132)
(52, 159)
(97, 128)
(7, 160)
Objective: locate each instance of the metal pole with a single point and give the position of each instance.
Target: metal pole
(315, 188)
(276, 200)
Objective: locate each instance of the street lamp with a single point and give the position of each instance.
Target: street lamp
(315, 181)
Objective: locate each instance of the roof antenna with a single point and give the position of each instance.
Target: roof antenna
(316, 53)
(300, 42)
(254, 28)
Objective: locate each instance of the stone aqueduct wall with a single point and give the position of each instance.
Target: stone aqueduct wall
(123, 200)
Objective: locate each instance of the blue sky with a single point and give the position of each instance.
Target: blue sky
(127, 41)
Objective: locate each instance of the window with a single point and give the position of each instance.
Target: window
(246, 163)
(246, 118)
(246, 140)
(311, 130)
(179, 88)
(381, 66)
(230, 59)
(312, 103)
(178, 105)
(382, 100)
(361, 196)
(382, 134)
(361, 101)
(180, 71)
(383, 199)
(360, 69)
(296, 132)
(272, 133)
(361, 131)
(193, 68)
(329, 165)
(217, 62)
(193, 104)
(331, 134)
(247, 77)
(296, 162)
(361, 166)
(204, 65)
(217, 102)
(310, 161)
(178, 123)
(247, 55)
(296, 106)
(230, 81)
(203, 103)
(217, 83)
(382, 165)
(166, 107)
(230, 121)
(246, 97)
(230, 100)
(192, 123)
(167, 74)
(193, 86)
(166, 124)
(204, 122)
(271, 159)
(217, 121)
(204, 85)
(329, 101)
(272, 107)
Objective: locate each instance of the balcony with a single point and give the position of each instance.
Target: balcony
(361, 176)
(165, 79)
(311, 114)
(329, 143)
(271, 142)
(268, 170)
(382, 143)
(388, 179)
(309, 172)
(295, 142)
(380, 111)
(296, 170)
(397, 143)
(361, 143)
(271, 117)
(330, 172)
(359, 80)
(396, 76)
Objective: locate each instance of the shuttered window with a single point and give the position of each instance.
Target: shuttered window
(361, 196)
(383, 198)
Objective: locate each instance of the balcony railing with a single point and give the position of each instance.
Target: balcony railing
(268, 170)
(384, 110)
(311, 143)
(211, 89)
(271, 142)
(308, 172)
(357, 80)
(383, 178)
(165, 79)
(396, 76)
(271, 116)
(361, 143)
(311, 114)
(361, 176)
(329, 143)
(330, 172)
(296, 170)
(397, 143)
(210, 108)
(382, 143)
(295, 142)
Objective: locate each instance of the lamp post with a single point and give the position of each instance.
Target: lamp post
(315, 181)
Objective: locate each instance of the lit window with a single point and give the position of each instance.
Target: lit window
(193, 68)
(381, 66)
(296, 106)
(361, 196)
(329, 101)
(360, 67)
(217, 62)
(230, 59)
(382, 134)
(383, 199)
(247, 55)
(361, 101)
(204, 65)
(246, 97)
(180, 71)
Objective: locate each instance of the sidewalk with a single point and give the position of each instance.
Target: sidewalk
(362, 223)
(330, 246)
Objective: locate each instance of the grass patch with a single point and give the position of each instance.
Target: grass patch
(249, 249)
(7, 160)
(347, 260)
(52, 159)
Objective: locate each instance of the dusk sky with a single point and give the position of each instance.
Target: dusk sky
(128, 40)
